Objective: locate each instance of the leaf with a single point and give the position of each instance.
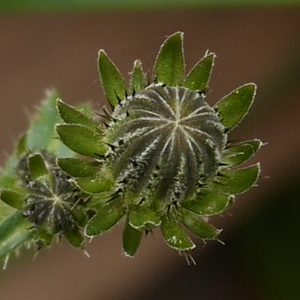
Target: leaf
(12, 198)
(233, 107)
(144, 217)
(199, 76)
(169, 66)
(14, 231)
(197, 226)
(82, 140)
(71, 115)
(21, 148)
(41, 134)
(240, 153)
(44, 237)
(41, 131)
(8, 176)
(98, 182)
(138, 80)
(37, 166)
(78, 167)
(95, 184)
(131, 239)
(112, 81)
(237, 181)
(75, 238)
(208, 203)
(174, 234)
(97, 201)
(105, 218)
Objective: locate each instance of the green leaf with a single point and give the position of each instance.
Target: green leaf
(112, 81)
(78, 167)
(169, 66)
(144, 217)
(71, 115)
(98, 182)
(8, 176)
(10, 181)
(105, 218)
(13, 198)
(239, 153)
(41, 131)
(75, 238)
(195, 224)
(237, 181)
(37, 166)
(138, 80)
(21, 148)
(199, 76)
(131, 239)
(97, 201)
(41, 134)
(174, 234)
(82, 140)
(44, 237)
(14, 231)
(95, 184)
(208, 203)
(233, 107)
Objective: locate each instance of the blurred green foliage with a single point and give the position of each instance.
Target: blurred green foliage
(58, 6)
(267, 247)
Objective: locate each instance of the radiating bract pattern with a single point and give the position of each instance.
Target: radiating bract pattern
(167, 144)
(161, 158)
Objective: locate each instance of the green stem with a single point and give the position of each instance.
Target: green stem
(14, 232)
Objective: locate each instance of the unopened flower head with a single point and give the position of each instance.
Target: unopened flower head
(161, 158)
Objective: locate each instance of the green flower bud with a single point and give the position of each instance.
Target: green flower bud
(161, 158)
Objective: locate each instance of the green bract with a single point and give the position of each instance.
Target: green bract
(161, 158)
(41, 200)
(48, 200)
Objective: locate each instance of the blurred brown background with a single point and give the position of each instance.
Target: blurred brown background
(261, 256)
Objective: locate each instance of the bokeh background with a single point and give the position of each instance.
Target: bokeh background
(46, 46)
